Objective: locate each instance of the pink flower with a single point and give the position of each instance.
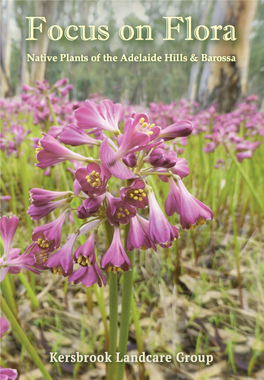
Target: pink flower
(179, 129)
(115, 259)
(63, 256)
(118, 211)
(191, 210)
(38, 212)
(104, 115)
(8, 228)
(134, 194)
(160, 230)
(93, 179)
(138, 236)
(115, 167)
(13, 262)
(89, 272)
(50, 233)
(4, 326)
(40, 197)
(89, 206)
(53, 152)
(75, 136)
(8, 373)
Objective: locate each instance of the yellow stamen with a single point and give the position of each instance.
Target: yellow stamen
(123, 215)
(44, 260)
(97, 180)
(140, 190)
(149, 132)
(54, 270)
(118, 269)
(140, 199)
(136, 191)
(110, 268)
(97, 174)
(89, 180)
(84, 262)
(152, 125)
(60, 271)
(79, 260)
(88, 262)
(144, 125)
(87, 177)
(131, 195)
(120, 208)
(135, 198)
(94, 184)
(143, 195)
(93, 172)
(142, 120)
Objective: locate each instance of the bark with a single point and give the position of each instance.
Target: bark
(225, 82)
(48, 9)
(5, 52)
(195, 70)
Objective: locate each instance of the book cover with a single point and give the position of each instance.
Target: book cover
(132, 190)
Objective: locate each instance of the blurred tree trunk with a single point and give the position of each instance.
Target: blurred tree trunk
(47, 9)
(196, 66)
(5, 50)
(225, 82)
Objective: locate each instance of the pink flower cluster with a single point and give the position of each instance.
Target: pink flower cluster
(239, 129)
(131, 154)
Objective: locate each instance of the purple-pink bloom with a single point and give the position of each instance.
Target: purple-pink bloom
(89, 206)
(160, 158)
(8, 228)
(75, 136)
(40, 197)
(93, 179)
(160, 230)
(179, 129)
(115, 167)
(38, 212)
(13, 263)
(104, 115)
(134, 194)
(89, 272)
(63, 256)
(54, 152)
(173, 201)
(138, 235)
(8, 373)
(118, 211)
(4, 326)
(191, 210)
(115, 259)
(50, 233)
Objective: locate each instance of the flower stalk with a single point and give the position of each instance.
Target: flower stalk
(23, 338)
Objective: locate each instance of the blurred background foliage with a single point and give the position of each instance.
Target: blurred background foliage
(132, 82)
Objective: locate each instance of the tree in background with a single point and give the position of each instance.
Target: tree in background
(221, 82)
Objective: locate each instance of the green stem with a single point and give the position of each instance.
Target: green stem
(30, 292)
(125, 314)
(140, 345)
(238, 165)
(23, 339)
(113, 323)
(89, 297)
(8, 293)
(113, 311)
(52, 112)
(101, 304)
